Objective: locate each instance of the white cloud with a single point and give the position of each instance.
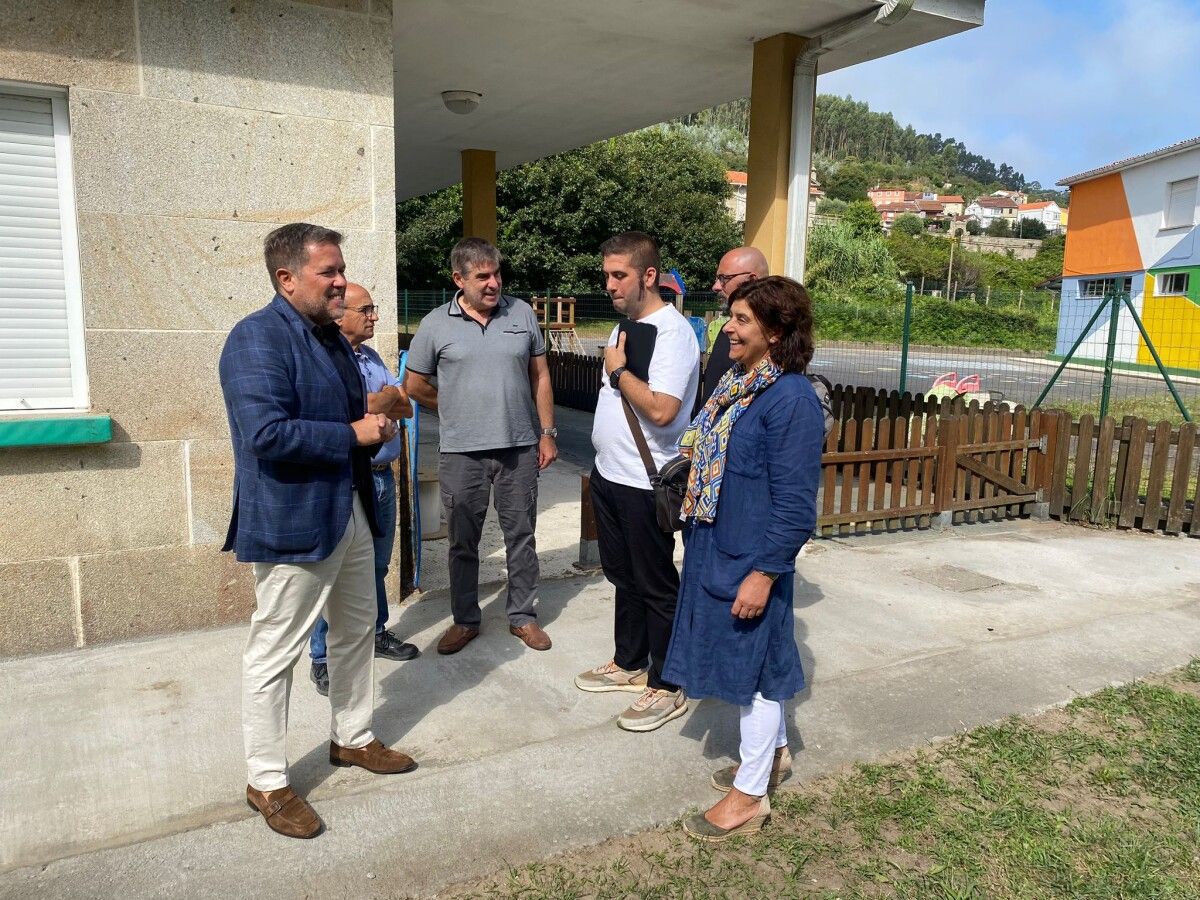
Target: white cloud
(1051, 89)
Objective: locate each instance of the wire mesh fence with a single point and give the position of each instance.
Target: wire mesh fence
(987, 344)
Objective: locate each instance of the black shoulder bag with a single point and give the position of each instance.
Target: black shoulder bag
(669, 483)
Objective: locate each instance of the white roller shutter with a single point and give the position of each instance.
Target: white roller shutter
(41, 312)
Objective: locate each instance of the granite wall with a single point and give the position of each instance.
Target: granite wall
(196, 128)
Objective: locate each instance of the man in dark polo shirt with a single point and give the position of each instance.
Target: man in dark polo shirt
(495, 409)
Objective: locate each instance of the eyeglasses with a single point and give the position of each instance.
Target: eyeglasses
(725, 279)
(370, 310)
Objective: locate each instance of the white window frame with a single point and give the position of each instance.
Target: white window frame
(73, 283)
(1186, 215)
(1161, 280)
(1098, 288)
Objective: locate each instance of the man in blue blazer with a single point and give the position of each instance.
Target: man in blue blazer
(303, 515)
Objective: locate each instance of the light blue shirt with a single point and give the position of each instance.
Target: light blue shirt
(376, 375)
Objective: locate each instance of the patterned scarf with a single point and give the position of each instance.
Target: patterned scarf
(706, 440)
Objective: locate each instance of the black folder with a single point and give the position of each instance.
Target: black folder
(639, 346)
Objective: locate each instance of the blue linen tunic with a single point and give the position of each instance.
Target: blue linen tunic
(766, 511)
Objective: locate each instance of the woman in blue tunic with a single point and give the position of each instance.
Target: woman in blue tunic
(755, 449)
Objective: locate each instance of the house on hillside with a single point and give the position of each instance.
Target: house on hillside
(1047, 212)
(736, 201)
(1135, 228)
(986, 210)
(952, 204)
(1018, 197)
(739, 185)
(881, 196)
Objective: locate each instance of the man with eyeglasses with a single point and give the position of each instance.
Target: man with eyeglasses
(385, 396)
(738, 266)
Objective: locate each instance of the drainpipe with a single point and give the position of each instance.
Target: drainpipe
(804, 96)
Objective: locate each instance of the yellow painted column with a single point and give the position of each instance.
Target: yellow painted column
(479, 194)
(770, 145)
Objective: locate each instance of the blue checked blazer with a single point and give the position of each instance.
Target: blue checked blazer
(289, 420)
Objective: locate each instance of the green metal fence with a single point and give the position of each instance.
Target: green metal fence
(998, 344)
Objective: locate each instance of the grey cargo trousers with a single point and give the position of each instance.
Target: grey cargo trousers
(468, 481)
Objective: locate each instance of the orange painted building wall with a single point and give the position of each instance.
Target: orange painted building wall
(1100, 236)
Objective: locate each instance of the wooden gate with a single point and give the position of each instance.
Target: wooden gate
(983, 468)
(933, 468)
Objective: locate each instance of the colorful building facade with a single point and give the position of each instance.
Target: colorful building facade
(1135, 228)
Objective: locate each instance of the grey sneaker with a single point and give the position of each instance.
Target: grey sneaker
(611, 677)
(781, 770)
(653, 709)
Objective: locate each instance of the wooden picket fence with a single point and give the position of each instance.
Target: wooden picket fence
(1129, 475)
(935, 465)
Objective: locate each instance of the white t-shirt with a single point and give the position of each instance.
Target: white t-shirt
(674, 370)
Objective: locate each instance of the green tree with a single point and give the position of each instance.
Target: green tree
(553, 214)
(862, 218)
(909, 224)
(973, 228)
(998, 228)
(1030, 228)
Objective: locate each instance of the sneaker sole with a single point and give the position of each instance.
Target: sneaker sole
(657, 723)
(608, 688)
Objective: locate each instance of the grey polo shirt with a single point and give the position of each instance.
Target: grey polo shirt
(484, 398)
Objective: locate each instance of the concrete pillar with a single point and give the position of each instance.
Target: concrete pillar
(770, 145)
(804, 99)
(479, 194)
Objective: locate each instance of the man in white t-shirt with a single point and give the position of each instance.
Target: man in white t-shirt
(636, 555)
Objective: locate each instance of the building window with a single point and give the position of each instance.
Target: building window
(1180, 210)
(1104, 287)
(1172, 284)
(42, 363)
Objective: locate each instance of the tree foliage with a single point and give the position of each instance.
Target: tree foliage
(862, 218)
(553, 214)
(909, 224)
(844, 263)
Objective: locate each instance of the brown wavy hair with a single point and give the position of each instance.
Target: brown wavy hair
(783, 310)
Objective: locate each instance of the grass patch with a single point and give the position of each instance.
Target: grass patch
(1151, 408)
(1098, 800)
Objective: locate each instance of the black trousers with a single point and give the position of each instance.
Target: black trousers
(636, 556)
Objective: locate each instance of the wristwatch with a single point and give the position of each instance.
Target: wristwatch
(550, 432)
(772, 576)
(614, 376)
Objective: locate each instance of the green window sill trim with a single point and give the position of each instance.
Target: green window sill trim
(59, 431)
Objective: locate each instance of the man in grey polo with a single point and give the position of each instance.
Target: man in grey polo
(495, 409)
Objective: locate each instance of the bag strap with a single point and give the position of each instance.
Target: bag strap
(640, 439)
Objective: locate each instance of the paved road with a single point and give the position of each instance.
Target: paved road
(1018, 378)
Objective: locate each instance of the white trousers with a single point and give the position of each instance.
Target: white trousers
(763, 731)
(290, 597)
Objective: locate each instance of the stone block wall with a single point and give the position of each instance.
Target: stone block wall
(196, 127)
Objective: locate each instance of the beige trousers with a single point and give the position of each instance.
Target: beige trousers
(290, 597)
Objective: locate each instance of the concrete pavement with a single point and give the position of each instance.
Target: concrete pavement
(123, 773)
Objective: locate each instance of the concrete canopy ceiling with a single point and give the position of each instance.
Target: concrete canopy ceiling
(558, 74)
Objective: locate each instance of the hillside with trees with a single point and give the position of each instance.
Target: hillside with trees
(855, 148)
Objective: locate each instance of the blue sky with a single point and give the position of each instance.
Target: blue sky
(1052, 87)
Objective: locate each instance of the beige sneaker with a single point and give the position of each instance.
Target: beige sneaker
(611, 677)
(653, 709)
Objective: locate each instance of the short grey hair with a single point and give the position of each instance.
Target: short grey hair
(287, 247)
(471, 252)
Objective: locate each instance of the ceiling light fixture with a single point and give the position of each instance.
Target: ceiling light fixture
(461, 102)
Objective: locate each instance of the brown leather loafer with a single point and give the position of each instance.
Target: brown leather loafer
(285, 811)
(533, 636)
(455, 638)
(374, 757)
